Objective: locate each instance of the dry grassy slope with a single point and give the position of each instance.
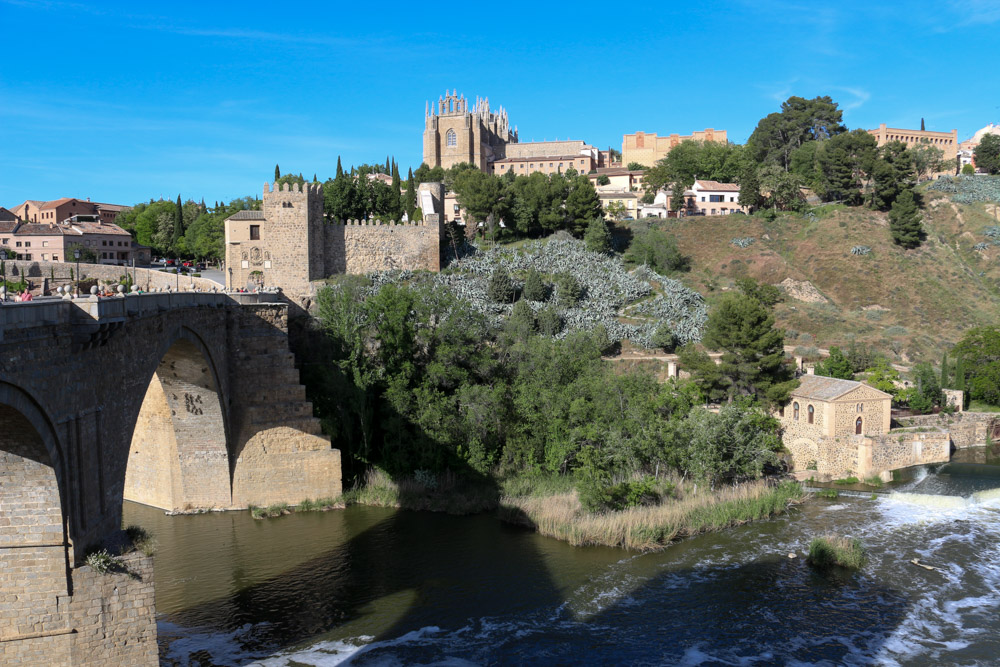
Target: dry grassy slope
(933, 294)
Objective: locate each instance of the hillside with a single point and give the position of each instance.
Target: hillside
(911, 304)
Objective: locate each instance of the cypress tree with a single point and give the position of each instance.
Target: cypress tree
(178, 224)
(945, 372)
(410, 198)
(277, 173)
(921, 124)
(340, 170)
(960, 374)
(904, 220)
(386, 164)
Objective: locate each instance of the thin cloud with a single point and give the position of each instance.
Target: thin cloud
(860, 97)
(262, 36)
(976, 12)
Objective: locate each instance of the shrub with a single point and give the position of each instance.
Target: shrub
(829, 494)
(102, 561)
(500, 287)
(550, 323)
(847, 480)
(597, 237)
(522, 319)
(534, 287)
(568, 290)
(141, 539)
(968, 170)
(426, 478)
(833, 550)
(665, 338)
(743, 242)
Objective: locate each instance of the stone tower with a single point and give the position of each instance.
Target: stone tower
(454, 134)
(281, 245)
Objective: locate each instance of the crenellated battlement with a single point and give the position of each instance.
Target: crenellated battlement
(380, 223)
(308, 188)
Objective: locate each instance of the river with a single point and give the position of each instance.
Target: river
(372, 586)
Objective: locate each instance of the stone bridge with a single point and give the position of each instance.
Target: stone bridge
(180, 401)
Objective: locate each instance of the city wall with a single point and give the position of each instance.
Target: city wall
(360, 246)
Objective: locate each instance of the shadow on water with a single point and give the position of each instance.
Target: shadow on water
(497, 594)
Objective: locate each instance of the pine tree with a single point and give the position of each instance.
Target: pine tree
(534, 287)
(340, 170)
(904, 220)
(277, 173)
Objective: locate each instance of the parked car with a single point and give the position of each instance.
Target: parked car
(169, 262)
(188, 264)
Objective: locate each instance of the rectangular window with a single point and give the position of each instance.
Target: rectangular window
(45, 244)
(255, 232)
(55, 258)
(703, 199)
(45, 256)
(28, 256)
(27, 244)
(713, 211)
(732, 199)
(18, 244)
(716, 198)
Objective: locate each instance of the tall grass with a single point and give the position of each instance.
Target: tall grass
(437, 493)
(650, 527)
(835, 550)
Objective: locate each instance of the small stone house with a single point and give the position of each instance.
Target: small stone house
(823, 408)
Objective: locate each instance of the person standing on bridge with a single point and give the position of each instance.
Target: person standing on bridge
(25, 296)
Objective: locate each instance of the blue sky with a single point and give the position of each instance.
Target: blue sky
(122, 102)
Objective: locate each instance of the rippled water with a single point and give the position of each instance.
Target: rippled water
(369, 586)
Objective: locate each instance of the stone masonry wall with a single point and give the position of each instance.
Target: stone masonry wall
(152, 474)
(967, 429)
(146, 278)
(114, 615)
(281, 454)
(901, 450)
(360, 247)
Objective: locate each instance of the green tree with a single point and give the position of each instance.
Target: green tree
(779, 134)
(904, 221)
(410, 197)
(635, 166)
(603, 179)
(750, 187)
(753, 357)
(696, 159)
(522, 323)
(926, 159)
(968, 170)
(892, 173)
(569, 291)
(657, 250)
(277, 173)
(979, 362)
(500, 288)
(783, 188)
(178, 230)
(837, 365)
(582, 204)
(845, 163)
(927, 392)
(883, 376)
(534, 287)
(987, 154)
(768, 295)
(616, 210)
(945, 371)
(665, 338)
(598, 238)
(482, 196)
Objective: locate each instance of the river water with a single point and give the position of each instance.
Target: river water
(372, 586)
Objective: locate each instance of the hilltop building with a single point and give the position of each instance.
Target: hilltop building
(289, 244)
(548, 157)
(946, 141)
(454, 134)
(33, 210)
(648, 148)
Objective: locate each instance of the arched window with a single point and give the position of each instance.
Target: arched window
(795, 411)
(812, 414)
(857, 426)
(451, 139)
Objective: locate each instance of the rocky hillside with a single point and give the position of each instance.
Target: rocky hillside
(911, 304)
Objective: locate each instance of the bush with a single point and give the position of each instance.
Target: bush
(833, 550)
(522, 319)
(568, 290)
(550, 323)
(534, 287)
(968, 170)
(665, 339)
(597, 237)
(500, 287)
(657, 250)
(102, 561)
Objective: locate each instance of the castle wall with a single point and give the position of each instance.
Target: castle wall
(361, 247)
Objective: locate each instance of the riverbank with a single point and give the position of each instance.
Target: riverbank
(651, 527)
(551, 506)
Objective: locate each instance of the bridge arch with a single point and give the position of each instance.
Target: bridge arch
(35, 553)
(179, 456)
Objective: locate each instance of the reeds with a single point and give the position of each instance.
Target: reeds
(651, 527)
(835, 550)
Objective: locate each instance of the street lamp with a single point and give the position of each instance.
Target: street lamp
(3, 272)
(76, 255)
(230, 278)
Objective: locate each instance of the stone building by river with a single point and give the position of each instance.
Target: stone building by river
(822, 410)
